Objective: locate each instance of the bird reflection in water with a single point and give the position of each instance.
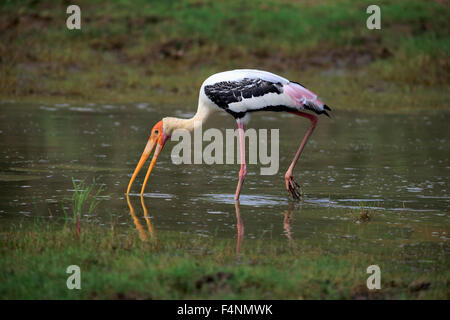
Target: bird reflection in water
(287, 224)
(143, 234)
(240, 229)
(141, 231)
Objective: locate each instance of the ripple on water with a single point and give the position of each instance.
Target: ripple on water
(360, 200)
(414, 189)
(47, 108)
(153, 195)
(341, 203)
(83, 109)
(244, 200)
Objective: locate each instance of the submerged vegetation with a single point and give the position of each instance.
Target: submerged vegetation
(116, 264)
(161, 51)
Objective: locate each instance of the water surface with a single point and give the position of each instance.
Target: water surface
(396, 166)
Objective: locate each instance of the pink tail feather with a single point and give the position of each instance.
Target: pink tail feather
(300, 95)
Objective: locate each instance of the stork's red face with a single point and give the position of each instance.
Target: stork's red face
(157, 138)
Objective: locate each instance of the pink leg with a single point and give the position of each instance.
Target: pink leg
(291, 185)
(243, 171)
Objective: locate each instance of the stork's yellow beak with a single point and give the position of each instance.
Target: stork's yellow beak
(158, 139)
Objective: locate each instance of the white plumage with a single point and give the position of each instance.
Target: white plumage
(246, 90)
(239, 74)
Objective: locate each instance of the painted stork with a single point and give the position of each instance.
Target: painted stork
(240, 92)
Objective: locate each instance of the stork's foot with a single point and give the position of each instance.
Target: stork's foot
(293, 187)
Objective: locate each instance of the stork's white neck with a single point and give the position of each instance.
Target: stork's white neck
(170, 124)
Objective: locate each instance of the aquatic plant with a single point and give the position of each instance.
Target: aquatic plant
(84, 200)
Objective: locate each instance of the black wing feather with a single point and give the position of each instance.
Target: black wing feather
(226, 92)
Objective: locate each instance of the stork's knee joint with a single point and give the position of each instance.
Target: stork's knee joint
(243, 172)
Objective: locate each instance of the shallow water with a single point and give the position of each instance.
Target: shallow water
(397, 166)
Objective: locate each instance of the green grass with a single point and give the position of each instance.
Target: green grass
(161, 51)
(84, 200)
(84, 193)
(116, 264)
